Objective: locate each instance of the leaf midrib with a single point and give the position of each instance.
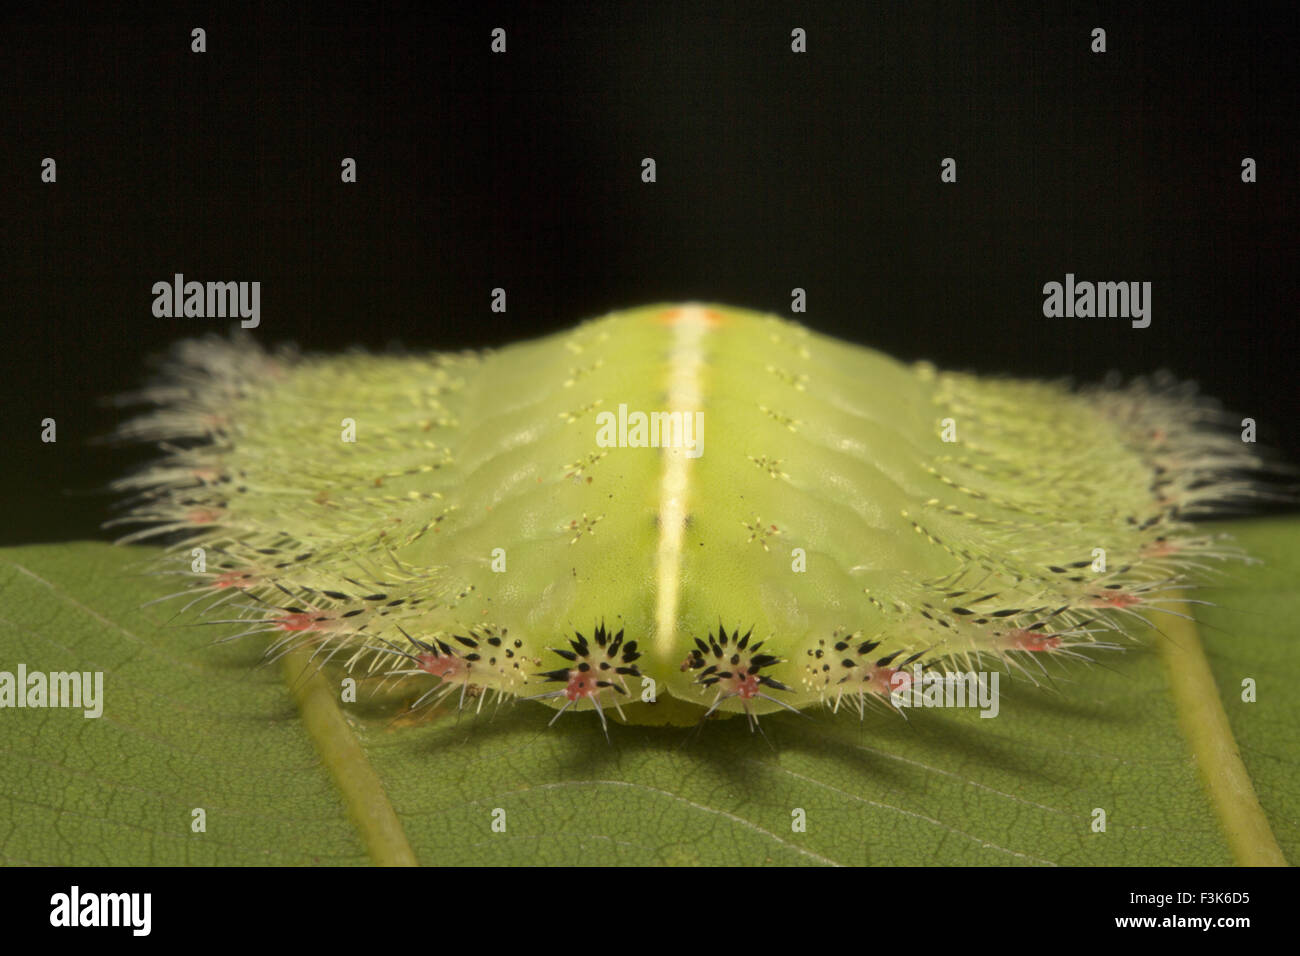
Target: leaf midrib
(1209, 736)
(363, 793)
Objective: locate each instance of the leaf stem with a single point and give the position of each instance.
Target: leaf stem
(1206, 728)
(363, 792)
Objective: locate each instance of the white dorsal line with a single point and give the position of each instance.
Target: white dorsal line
(685, 368)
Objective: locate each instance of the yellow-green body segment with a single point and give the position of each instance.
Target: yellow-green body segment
(456, 520)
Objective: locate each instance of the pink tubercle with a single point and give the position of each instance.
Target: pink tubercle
(234, 579)
(881, 681)
(1119, 599)
(296, 622)
(747, 686)
(581, 684)
(446, 666)
(1033, 641)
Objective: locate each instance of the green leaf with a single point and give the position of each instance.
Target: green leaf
(287, 774)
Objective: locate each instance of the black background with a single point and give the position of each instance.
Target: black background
(1082, 901)
(522, 170)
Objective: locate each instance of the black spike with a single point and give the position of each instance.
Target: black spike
(418, 643)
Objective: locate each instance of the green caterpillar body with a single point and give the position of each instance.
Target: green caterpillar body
(676, 509)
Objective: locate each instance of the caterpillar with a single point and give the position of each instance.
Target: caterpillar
(674, 512)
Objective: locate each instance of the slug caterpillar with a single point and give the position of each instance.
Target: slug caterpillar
(675, 510)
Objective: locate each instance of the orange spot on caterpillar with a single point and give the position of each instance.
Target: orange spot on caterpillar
(446, 666)
(881, 681)
(203, 515)
(581, 684)
(296, 622)
(746, 686)
(1120, 599)
(673, 316)
(1020, 639)
(234, 579)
